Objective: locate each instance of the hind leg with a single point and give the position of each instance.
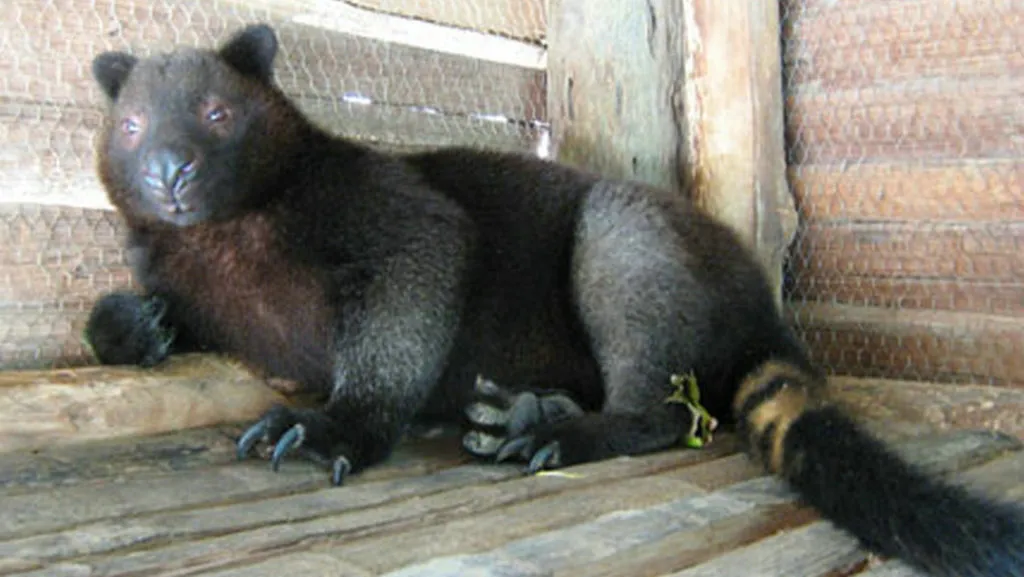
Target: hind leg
(643, 314)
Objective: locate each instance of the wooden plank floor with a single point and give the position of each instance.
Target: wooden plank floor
(179, 504)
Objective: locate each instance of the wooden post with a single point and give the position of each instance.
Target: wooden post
(679, 93)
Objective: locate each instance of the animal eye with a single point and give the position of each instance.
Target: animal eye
(129, 126)
(216, 114)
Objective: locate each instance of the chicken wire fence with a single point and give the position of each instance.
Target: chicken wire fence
(902, 133)
(904, 140)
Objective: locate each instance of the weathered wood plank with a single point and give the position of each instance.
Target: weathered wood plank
(592, 490)
(304, 564)
(606, 536)
(125, 458)
(38, 512)
(927, 120)
(44, 408)
(613, 69)
(961, 191)
(937, 346)
(522, 19)
(942, 406)
(350, 18)
(690, 547)
(979, 251)
(1003, 477)
(732, 123)
(487, 530)
(820, 549)
(314, 62)
(185, 524)
(60, 466)
(816, 550)
(839, 46)
(940, 453)
(634, 94)
(739, 510)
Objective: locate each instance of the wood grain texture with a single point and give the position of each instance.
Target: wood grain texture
(942, 406)
(614, 72)
(603, 487)
(425, 509)
(640, 92)
(520, 19)
(46, 408)
(732, 120)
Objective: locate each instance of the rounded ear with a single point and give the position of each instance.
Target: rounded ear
(110, 69)
(251, 51)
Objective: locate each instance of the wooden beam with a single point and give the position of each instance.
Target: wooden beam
(47, 408)
(939, 406)
(521, 19)
(678, 94)
(732, 123)
(465, 41)
(614, 70)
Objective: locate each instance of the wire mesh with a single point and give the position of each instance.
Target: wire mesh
(388, 72)
(904, 136)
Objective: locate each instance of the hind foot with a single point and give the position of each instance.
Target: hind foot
(549, 430)
(501, 422)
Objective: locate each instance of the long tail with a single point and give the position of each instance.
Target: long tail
(865, 488)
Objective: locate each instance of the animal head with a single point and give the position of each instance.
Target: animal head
(193, 135)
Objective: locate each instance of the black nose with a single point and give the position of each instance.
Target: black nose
(167, 171)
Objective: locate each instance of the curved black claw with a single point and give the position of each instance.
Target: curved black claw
(550, 454)
(292, 439)
(518, 446)
(339, 470)
(249, 438)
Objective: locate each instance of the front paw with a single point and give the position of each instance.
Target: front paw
(501, 423)
(127, 329)
(309, 432)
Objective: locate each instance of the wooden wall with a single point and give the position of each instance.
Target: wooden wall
(905, 131)
(403, 74)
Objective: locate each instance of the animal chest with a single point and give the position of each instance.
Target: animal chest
(238, 288)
